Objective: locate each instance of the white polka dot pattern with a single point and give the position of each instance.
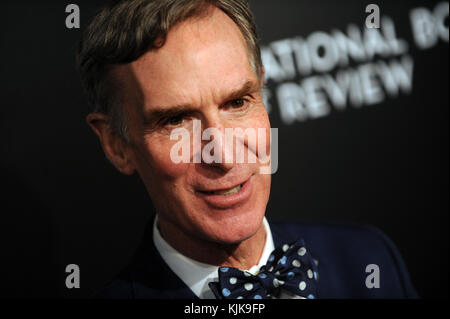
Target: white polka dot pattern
(289, 267)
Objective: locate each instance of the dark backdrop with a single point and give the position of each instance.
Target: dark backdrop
(383, 163)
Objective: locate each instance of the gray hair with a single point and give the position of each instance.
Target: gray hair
(124, 30)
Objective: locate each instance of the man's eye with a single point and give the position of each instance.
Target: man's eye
(237, 103)
(174, 120)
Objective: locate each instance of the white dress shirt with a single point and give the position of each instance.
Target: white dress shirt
(197, 275)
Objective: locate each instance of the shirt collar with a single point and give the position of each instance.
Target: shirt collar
(197, 275)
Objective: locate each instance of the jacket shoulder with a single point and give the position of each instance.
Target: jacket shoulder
(346, 254)
(120, 287)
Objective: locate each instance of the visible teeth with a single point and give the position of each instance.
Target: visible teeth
(228, 191)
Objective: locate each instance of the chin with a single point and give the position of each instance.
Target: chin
(234, 228)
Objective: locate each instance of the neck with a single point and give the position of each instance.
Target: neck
(242, 255)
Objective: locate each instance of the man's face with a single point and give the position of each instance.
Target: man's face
(201, 73)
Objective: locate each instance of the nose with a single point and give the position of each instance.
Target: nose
(217, 145)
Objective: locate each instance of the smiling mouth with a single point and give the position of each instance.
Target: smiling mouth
(227, 198)
(224, 192)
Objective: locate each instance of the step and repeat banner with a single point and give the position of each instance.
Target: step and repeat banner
(352, 64)
(357, 90)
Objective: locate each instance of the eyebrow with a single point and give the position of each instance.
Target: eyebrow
(248, 87)
(159, 112)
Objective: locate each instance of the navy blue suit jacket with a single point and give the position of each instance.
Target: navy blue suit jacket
(343, 252)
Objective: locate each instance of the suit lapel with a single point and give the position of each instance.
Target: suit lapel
(152, 277)
(280, 236)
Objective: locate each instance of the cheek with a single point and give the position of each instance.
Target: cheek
(159, 163)
(260, 122)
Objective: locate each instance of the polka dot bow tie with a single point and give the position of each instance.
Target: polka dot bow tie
(289, 267)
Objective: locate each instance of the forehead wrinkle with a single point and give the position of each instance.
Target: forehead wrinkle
(196, 70)
(191, 40)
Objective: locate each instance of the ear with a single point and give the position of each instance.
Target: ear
(117, 150)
